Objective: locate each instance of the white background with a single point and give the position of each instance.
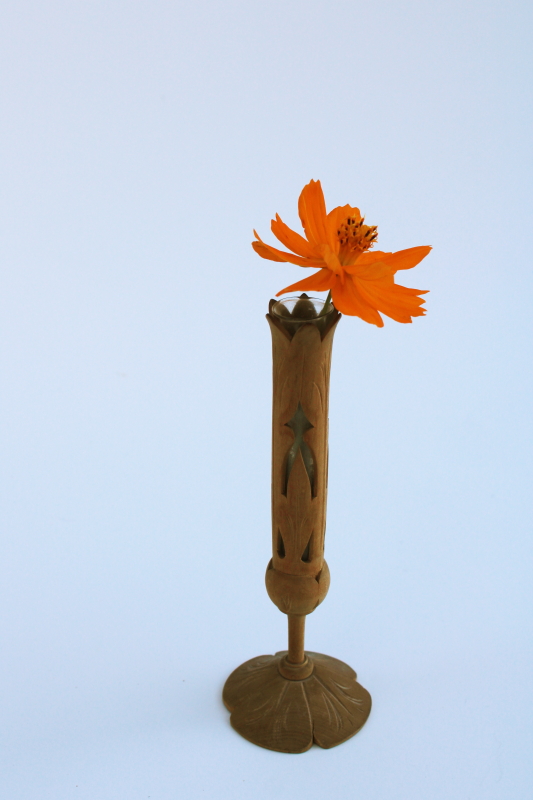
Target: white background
(140, 143)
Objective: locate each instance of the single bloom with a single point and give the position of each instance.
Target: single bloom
(338, 244)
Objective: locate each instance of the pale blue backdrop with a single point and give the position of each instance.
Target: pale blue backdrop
(140, 143)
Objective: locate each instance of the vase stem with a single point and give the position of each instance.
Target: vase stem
(296, 653)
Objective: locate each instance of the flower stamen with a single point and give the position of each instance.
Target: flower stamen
(355, 237)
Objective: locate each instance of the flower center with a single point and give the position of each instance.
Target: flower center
(355, 237)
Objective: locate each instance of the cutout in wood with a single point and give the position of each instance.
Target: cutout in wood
(281, 546)
(299, 425)
(306, 555)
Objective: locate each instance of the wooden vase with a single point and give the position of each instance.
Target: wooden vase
(288, 701)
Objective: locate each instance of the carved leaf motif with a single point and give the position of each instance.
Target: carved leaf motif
(339, 705)
(299, 425)
(327, 708)
(295, 516)
(267, 709)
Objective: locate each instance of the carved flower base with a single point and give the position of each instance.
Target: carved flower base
(327, 708)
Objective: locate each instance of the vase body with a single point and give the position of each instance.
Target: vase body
(287, 701)
(297, 576)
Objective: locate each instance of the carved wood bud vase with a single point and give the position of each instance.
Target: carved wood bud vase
(287, 701)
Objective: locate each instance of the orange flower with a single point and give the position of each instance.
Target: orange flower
(337, 244)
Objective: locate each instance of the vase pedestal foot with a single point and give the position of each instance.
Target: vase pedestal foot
(289, 714)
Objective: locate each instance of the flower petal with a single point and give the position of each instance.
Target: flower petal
(264, 251)
(312, 211)
(403, 259)
(405, 290)
(337, 215)
(291, 239)
(391, 300)
(406, 259)
(372, 256)
(273, 254)
(319, 282)
(331, 260)
(347, 299)
(334, 219)
(370, 272)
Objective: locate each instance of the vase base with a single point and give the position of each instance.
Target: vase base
(288, 715)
